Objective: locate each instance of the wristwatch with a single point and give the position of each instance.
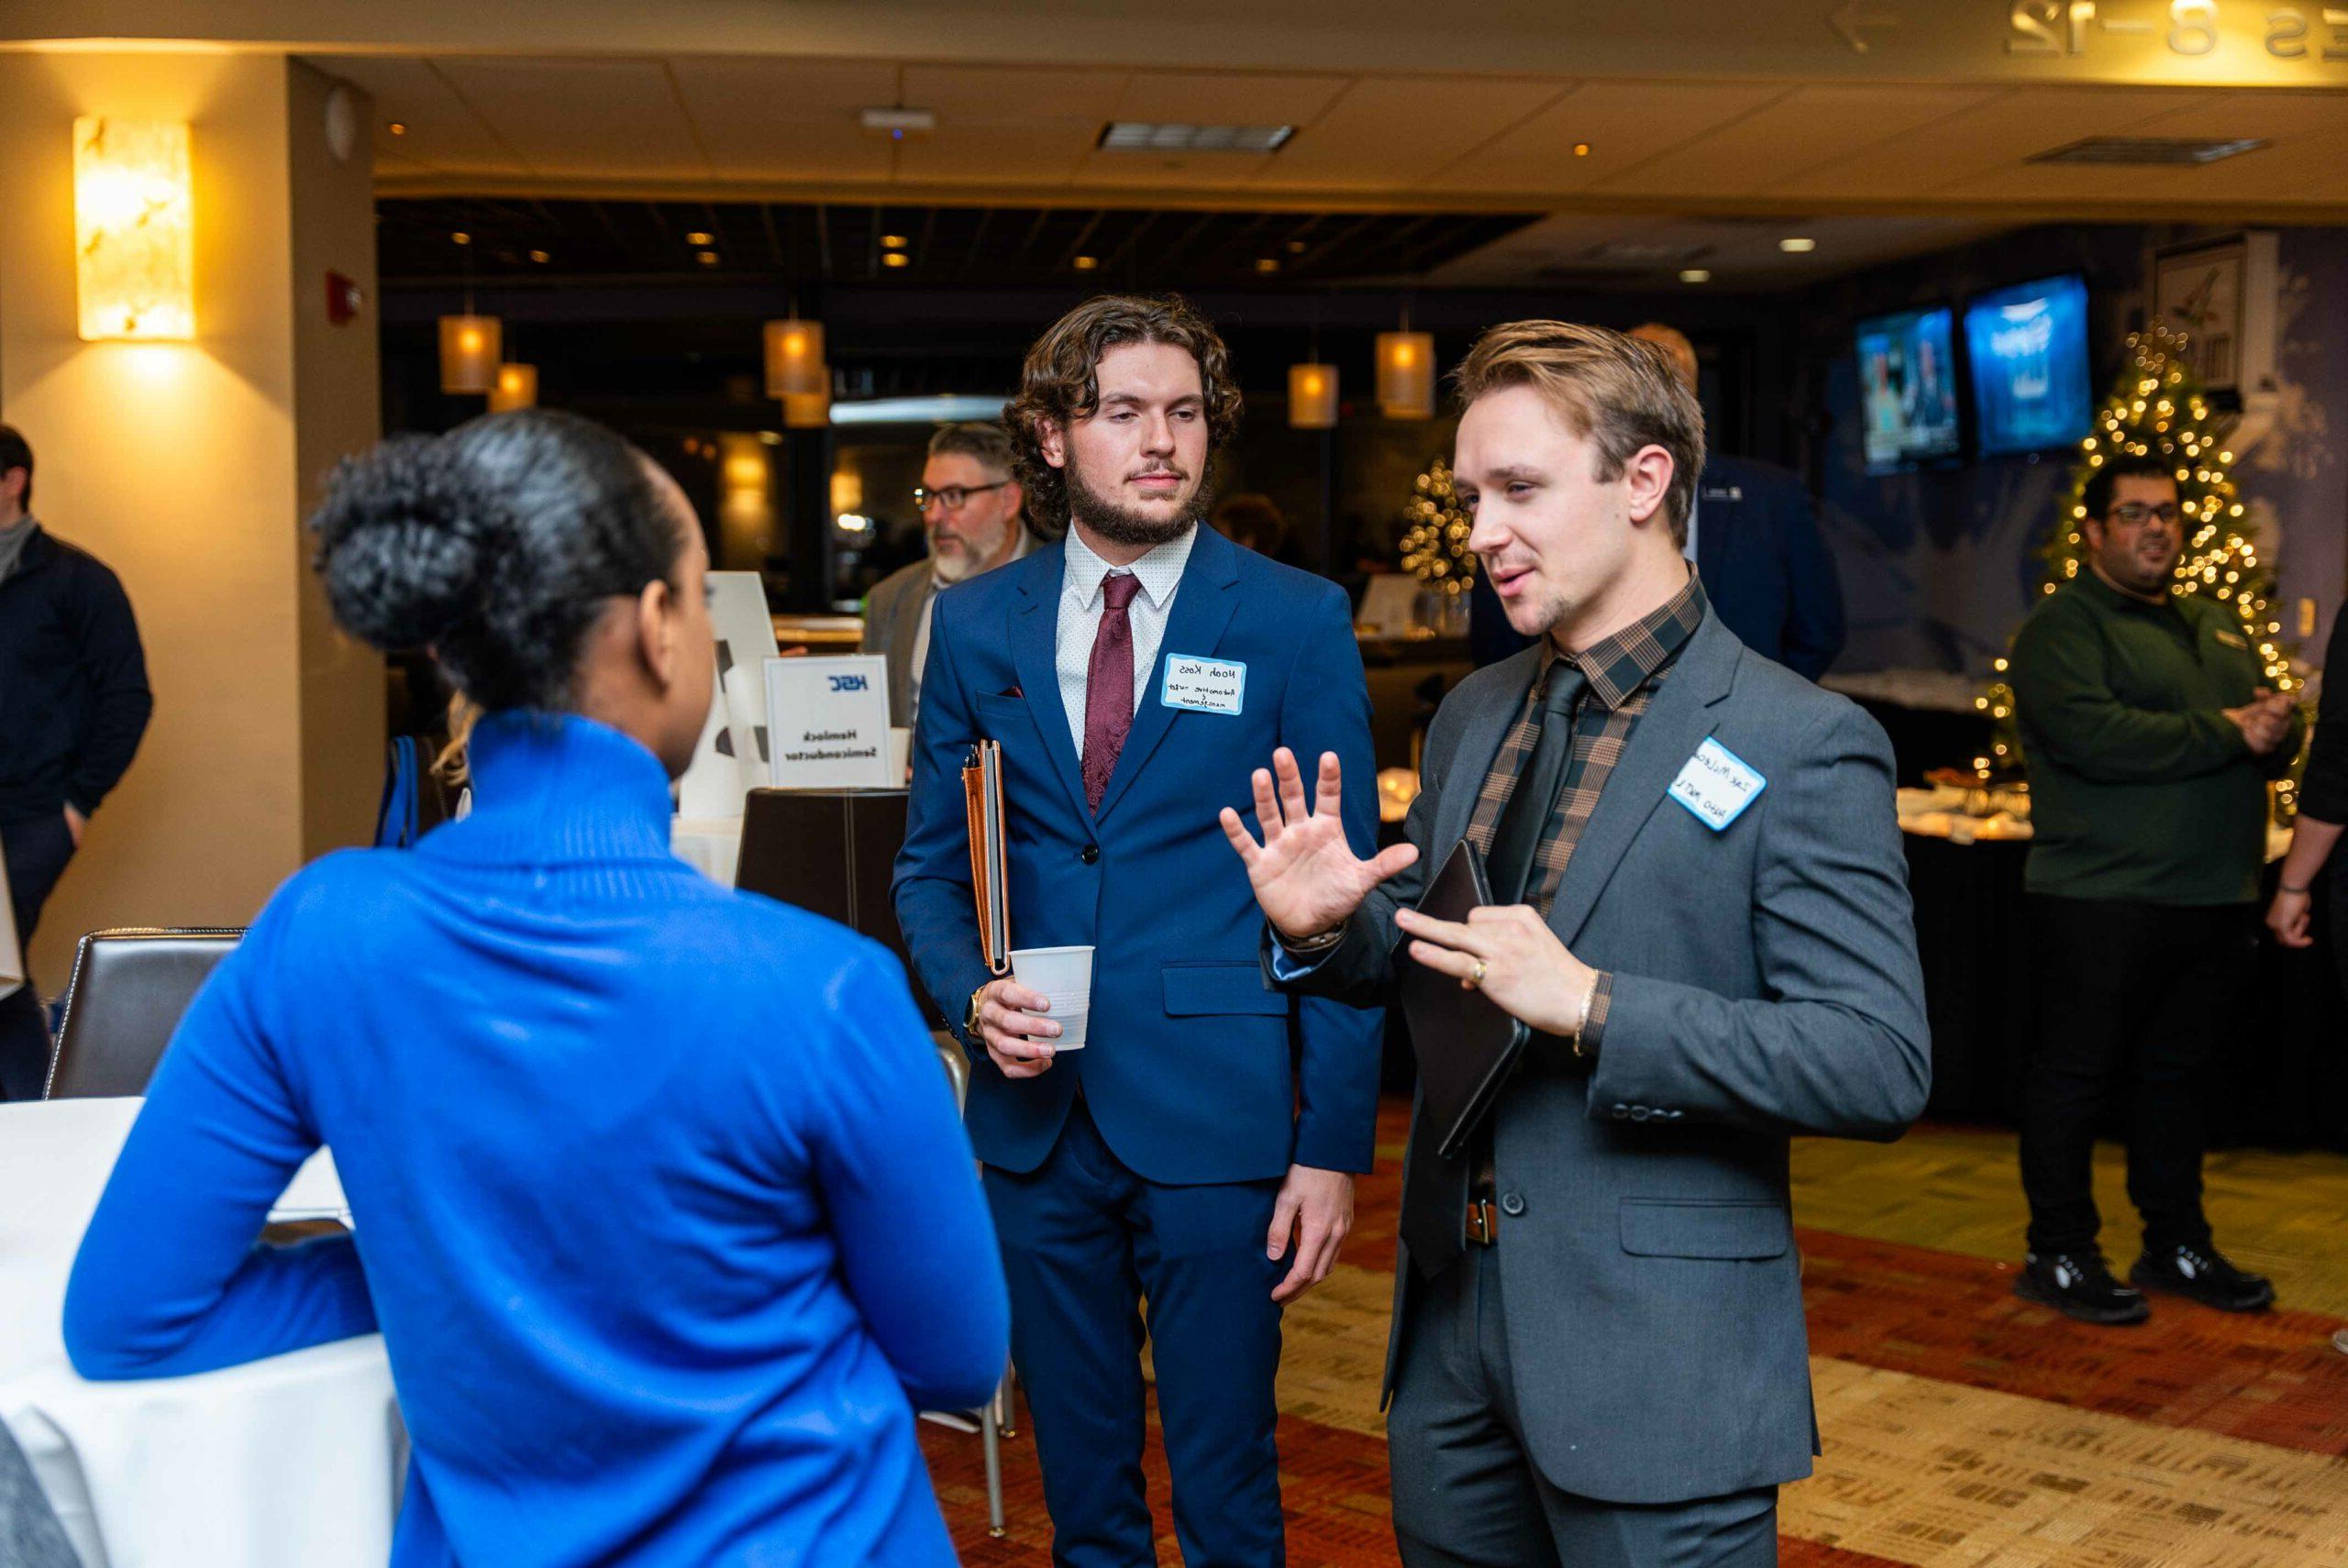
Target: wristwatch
(970, 1014)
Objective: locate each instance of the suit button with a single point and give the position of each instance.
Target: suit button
(1640, 1113)
(1512, 1204)
(1088, 853)
(1622, 1112)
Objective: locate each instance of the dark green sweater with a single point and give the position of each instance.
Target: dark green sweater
(2141, 789)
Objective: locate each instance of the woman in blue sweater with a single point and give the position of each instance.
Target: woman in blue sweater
(660, 1200)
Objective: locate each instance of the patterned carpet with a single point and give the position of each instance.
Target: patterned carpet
(1963, 1426)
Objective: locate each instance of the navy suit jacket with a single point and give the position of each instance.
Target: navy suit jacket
(1766, 568)
(1195, 1070)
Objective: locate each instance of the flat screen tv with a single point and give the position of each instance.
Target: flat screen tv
(2029, 348)
(1907, 388)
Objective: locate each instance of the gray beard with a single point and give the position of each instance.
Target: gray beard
(1123, 526)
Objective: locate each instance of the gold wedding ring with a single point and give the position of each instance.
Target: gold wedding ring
(1476, 976)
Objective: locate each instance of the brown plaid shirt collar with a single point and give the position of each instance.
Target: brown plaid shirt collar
(1624, 671)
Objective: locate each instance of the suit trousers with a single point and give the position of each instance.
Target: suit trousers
(1467, 1493)
(2132, 999)
(1085, 1241)
(37, 851)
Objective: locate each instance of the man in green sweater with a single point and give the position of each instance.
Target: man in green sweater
(2149, 740)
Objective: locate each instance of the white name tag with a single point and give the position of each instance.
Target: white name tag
(1203, 685)
(1717, 785)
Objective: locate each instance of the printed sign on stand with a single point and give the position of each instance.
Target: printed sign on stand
(827, 722)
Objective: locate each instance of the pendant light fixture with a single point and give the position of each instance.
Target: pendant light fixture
(809, 411)
(1406, 372)
(516, 386)
(471, 347)
(795, 365)
(1313, 386)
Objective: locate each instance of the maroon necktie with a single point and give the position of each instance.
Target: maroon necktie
(1109, 686)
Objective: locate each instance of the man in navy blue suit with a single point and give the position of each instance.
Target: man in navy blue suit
(1197, 1152)
(1754, 538)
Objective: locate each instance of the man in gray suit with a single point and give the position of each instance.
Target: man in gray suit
(1702, 910)
(970, 508)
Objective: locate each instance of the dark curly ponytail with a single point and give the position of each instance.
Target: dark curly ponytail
(497, 546)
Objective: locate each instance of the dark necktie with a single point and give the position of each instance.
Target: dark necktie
(1109, 686)
(1434, 1190)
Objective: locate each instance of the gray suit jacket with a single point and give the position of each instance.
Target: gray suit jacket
(1766, 984)
(892, 622)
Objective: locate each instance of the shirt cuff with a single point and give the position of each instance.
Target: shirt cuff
(1593, 1028)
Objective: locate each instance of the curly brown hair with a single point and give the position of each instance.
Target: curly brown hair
(1060, 381)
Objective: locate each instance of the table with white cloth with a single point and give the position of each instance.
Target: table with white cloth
(295, 1462)
(711, 846)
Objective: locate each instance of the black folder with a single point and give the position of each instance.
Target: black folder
(1466, 1046)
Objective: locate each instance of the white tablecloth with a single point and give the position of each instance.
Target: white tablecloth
(290, 1463)
(709, 844)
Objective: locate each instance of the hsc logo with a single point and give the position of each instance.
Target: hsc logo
(847, 683)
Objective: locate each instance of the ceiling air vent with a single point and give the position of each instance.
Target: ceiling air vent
(2148, 149)
(1142, 136)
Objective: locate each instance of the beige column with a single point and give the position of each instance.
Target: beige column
(189, 467)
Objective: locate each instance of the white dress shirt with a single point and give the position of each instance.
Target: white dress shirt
(1160, 572)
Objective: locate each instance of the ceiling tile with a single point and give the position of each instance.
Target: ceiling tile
(1623, 123)
(1214, 98)
(1009, 156)
(1807, 127)
(1973, 143)
(575, 117)
(999, 96)
(775, 119)
(443, 135)
(1391, 133)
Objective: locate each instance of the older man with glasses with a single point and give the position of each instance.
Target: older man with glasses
(970, 509)
(2150, 739)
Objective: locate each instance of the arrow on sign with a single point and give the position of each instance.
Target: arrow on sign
(1850, 20)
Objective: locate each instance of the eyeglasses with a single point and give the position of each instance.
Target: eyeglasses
(2134, 511)
(950, 497)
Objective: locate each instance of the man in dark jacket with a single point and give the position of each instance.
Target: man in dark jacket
(73, 702)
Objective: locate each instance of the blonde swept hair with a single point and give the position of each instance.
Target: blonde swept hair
(1617, 393)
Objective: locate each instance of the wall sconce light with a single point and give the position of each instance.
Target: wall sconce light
(1312, 397)
(471, 348)
(134, 230)
(795, 365)
(516, 386)
(1406, 375)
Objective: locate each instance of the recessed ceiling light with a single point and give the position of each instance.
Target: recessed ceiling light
(897, 125)
(461, 238)
(1267, 263)
(540, 256)
(1796, 245)
(1581, 150)
(699, 237)
(1086, 263)
(893, 242)
(706, 258)
(397, 128)
(1694, 275)
(1296, 248)
(1145, 136)
(896, 259)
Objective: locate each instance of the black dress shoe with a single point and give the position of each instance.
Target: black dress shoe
(2204, 1275)
(2080, 1285)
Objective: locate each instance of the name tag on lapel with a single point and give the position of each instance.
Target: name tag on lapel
(1717, 785)
(1203, 685)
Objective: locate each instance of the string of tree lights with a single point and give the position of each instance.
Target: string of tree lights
(2156, 407)
(1436, 545)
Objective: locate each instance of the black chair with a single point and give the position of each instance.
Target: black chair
(128, 992)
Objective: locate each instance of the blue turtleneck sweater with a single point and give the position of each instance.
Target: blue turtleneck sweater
(659, 1196)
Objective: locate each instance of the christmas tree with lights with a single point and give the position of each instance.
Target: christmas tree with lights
(1435, 547)
(2157, 408)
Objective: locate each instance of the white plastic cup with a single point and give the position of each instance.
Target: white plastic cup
(1064, 976)
(901, 754)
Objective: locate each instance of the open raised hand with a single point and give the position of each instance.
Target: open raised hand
(1305, 875)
